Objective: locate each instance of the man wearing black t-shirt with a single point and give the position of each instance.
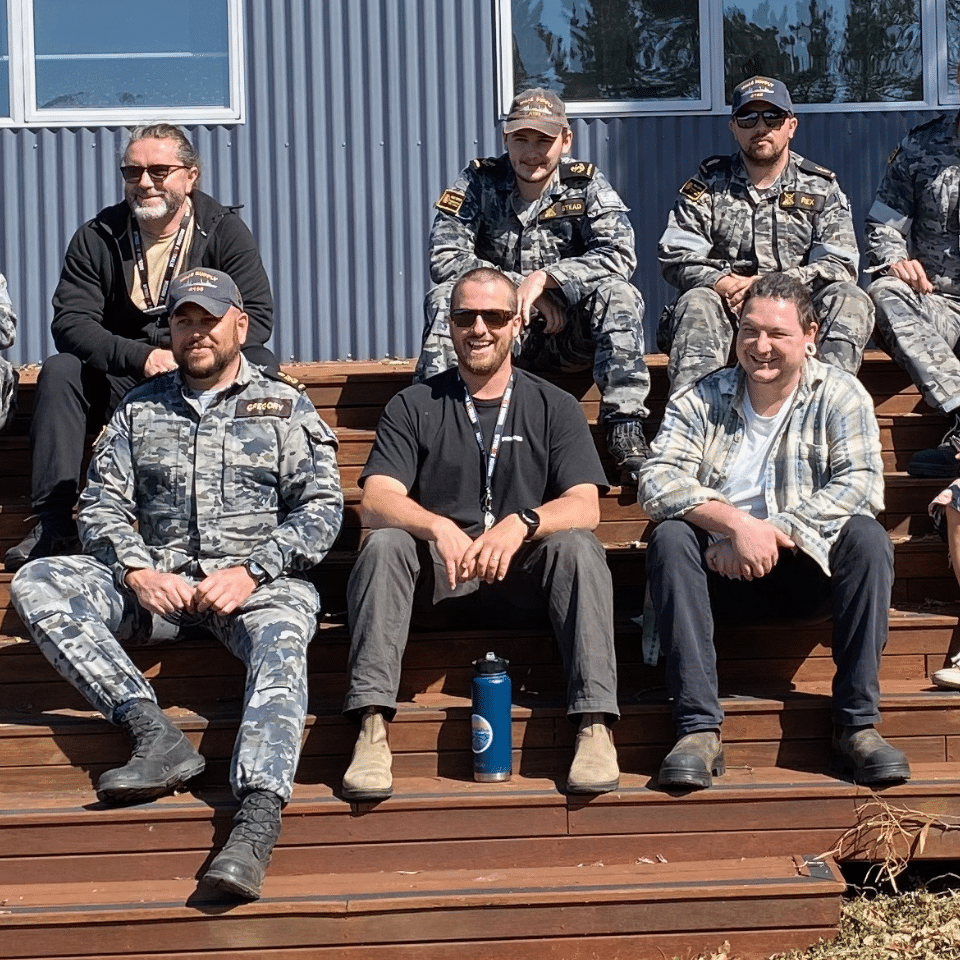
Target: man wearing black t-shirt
(481, 492)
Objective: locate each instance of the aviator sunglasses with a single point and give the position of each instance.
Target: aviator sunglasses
(157, 172)
(492, 319)
(774, 119)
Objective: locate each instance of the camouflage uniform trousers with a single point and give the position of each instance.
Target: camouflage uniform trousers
(9, 378)
(78, 629)
(922, 333)
(603, 331)
(697, 331)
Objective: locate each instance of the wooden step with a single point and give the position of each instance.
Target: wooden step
(759, 905)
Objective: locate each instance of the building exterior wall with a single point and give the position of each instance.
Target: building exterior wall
(358, 115)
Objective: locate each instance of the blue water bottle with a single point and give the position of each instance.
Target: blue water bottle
(492, 739)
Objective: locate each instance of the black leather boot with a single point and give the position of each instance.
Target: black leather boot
(53, 535)
(239, 868)
(163, 759)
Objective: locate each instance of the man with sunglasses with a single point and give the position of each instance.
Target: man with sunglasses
(109, 320)
(557, 228)
(481, 494)
(762, 210)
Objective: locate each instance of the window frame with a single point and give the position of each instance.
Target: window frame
(24, 111)
(939, 88)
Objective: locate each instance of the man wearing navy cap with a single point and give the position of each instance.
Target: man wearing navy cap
(764, 209)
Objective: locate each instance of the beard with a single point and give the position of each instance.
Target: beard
(487, 364)
(764, 159)
(209, 364)
(172, 201)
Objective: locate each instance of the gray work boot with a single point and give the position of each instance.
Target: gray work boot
(692, 761)
(368, 777)
(163, 759)
(628, 447)
(594, 768)
(239, 868)
(867, 757)
(53, 535)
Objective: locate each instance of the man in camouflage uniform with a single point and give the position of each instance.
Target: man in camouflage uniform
(8, 375)
(558, 229)
(231, 479)
(912, 237)
(764, 209)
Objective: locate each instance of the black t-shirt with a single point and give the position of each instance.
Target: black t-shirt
(425, 441)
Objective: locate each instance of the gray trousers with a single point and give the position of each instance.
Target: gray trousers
(603, 332)
(77, 617)
(398, 580)
(688, 598)
(922, 333)
(697, 332)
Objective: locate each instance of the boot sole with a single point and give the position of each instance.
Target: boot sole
(179, 777)
(593, 787)
(891, 773)
(348, 794)
(227, 884)
(684, 777)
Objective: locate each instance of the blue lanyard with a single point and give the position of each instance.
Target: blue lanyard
(491, 459)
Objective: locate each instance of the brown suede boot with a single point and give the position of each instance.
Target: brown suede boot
(368, 777)
(594, 768)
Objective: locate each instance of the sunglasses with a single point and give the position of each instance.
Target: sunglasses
(157, 172)
(774, 119)
(492, 319)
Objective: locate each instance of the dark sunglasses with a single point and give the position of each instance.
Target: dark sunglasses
(492, 319)
(774, 119)
(157, 172)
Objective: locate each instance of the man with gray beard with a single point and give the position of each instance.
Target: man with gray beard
(110, 315)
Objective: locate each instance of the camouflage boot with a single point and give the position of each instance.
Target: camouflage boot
(239, 868)
(628, 447)
(163, 759)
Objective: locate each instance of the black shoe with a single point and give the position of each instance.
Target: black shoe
(239, 868)
(628, 447)
(49, 538)
(692, 761)
(939, 463)
(867, 757)
(163, 758)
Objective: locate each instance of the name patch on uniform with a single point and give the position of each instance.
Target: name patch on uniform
(565, 208)
(451, 201)
(694, 189)
(795, 200)
(267, 407)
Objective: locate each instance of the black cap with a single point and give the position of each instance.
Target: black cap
(491, 663)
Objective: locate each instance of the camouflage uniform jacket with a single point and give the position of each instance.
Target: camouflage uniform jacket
(578, 230)
(915, 214)
(721, 224)
(254, 477)
(824, 467)
(8, 319)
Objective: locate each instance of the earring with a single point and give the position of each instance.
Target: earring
(810, 349)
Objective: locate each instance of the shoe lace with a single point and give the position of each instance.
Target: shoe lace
(257, 821)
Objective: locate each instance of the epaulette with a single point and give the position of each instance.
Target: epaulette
(284, 378)
(576, 170)
(716, 165)
(484, 163)
(808, 166)
(926, 123)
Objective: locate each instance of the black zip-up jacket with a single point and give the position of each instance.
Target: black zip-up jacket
(93, 315)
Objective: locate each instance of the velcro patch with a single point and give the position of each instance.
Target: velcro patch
(694, 189)
(451, 201)
(565, 208)
(266, 407)
(795, 200)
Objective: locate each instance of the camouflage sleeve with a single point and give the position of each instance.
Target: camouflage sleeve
(833, 254)
(686, 250)
(453, 237)
(310, 488)
(890, 218)
(609, 247)
(108, 506)
(8, 319)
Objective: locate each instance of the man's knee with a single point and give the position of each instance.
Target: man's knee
(700, 310)
(864, 539)
(576, 547)
(672, 540)
(389, 545)
(60, 372)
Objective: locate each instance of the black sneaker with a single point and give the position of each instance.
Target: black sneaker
(628, 447)
(939, 463)
(48, 538)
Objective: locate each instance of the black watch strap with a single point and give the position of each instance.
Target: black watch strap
(532, 520)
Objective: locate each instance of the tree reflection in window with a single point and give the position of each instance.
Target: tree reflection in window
(827, 51)
(608, 49)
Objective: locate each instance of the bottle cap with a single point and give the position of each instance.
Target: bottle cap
(491, 663)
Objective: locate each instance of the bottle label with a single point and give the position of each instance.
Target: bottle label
(482, 733)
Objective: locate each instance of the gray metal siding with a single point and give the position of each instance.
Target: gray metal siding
(358, 115)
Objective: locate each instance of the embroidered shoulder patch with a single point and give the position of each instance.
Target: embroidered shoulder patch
(451, 201)
(694, 189)
(265, 407)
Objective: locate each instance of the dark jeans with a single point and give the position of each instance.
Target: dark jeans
(688, 598)
(71, 399)
(565, 574)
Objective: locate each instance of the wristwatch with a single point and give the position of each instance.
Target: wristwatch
(532, 520)
(257, 572)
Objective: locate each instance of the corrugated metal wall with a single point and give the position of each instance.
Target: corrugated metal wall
(358, 115)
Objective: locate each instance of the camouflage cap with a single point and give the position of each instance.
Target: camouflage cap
(763, 89)
(213, 290)
(537, 109)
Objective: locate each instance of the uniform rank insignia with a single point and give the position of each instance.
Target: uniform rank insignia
(285, 378)
(265, 407)
(794, 200)
(577, 170)
(451, 201)
(893, 156)
(694, 189)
